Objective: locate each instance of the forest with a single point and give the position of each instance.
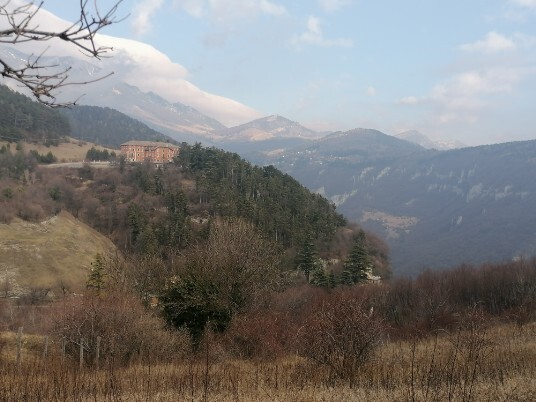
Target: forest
(21, 119)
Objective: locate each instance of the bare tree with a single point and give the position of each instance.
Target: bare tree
(18, 25)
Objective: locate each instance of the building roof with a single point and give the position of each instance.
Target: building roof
(150, 144)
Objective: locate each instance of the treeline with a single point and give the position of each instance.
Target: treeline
(285, 210)
(161, 211)
(108, 127)
(94, 154)
(18, 164)
(342, 323)
(24, 120)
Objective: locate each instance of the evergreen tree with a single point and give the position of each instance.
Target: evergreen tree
(319, 277)
(332, 280)
(306, 257)
(358, 262)
(96, 275)
(346, 278)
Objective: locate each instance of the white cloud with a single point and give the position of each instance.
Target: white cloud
(525, 3)
(143, 66)
(470, 89)
(464, 97)
(371, 91)
(228, 11)
(492, 43)
(408, 100)
(192, 7)
(331, 6)
(315, 36)
(143, 13)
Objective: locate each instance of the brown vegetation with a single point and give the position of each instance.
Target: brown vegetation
(416, 340)
(464, 365)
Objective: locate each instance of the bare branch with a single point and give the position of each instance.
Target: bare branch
(39, 78)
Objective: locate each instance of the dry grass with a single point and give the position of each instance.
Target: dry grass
(47, 254)
(72, 151)
(493, 364)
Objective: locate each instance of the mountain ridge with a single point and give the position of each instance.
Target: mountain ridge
(435, 208)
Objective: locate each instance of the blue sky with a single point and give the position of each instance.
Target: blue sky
(463, 70)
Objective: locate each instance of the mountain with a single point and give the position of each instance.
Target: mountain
(263, 129)
(435, 208)
(108, 127)
(264, 137)
(425, 142)
(177, 120)
(354, 146)
(174, 118)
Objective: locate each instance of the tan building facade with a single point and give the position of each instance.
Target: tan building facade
(156, 152)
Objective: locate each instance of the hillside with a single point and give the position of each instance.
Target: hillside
(108, 127)
(179, 121)
(51, 254)
(146, 210)
(23, 119)
(435, 208)
(69, 150)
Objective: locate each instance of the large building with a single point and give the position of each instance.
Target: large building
(156, 152)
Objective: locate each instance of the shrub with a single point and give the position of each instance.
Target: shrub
(127, 330)
(341, 334)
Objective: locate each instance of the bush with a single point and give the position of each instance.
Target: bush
(341, 334)
(127, 330)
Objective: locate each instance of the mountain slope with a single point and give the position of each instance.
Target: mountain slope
(107, 126)
(23, 119)
(263, 129)
(177, 120)
(425, 142)
(259, 139)
(436, 209)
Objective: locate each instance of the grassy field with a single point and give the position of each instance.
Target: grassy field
(498, 363)
(72, 151)
(55, 252)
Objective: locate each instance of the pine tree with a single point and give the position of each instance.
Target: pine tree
(96, 275)
(332, 280)
(346, 278)
(306, 257)
(319, 278)
(358, 261)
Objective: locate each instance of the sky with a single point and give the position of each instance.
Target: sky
(453, 70)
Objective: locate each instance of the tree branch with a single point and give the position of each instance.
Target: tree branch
(39, 78)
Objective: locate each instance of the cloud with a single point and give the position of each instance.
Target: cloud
(228, 11)
(492, 43)
(145, 67)
(314, 36)
(142, 15)
(465, 96)
(525, 3)
(371, 91)
(331, 6)
(408, 100)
